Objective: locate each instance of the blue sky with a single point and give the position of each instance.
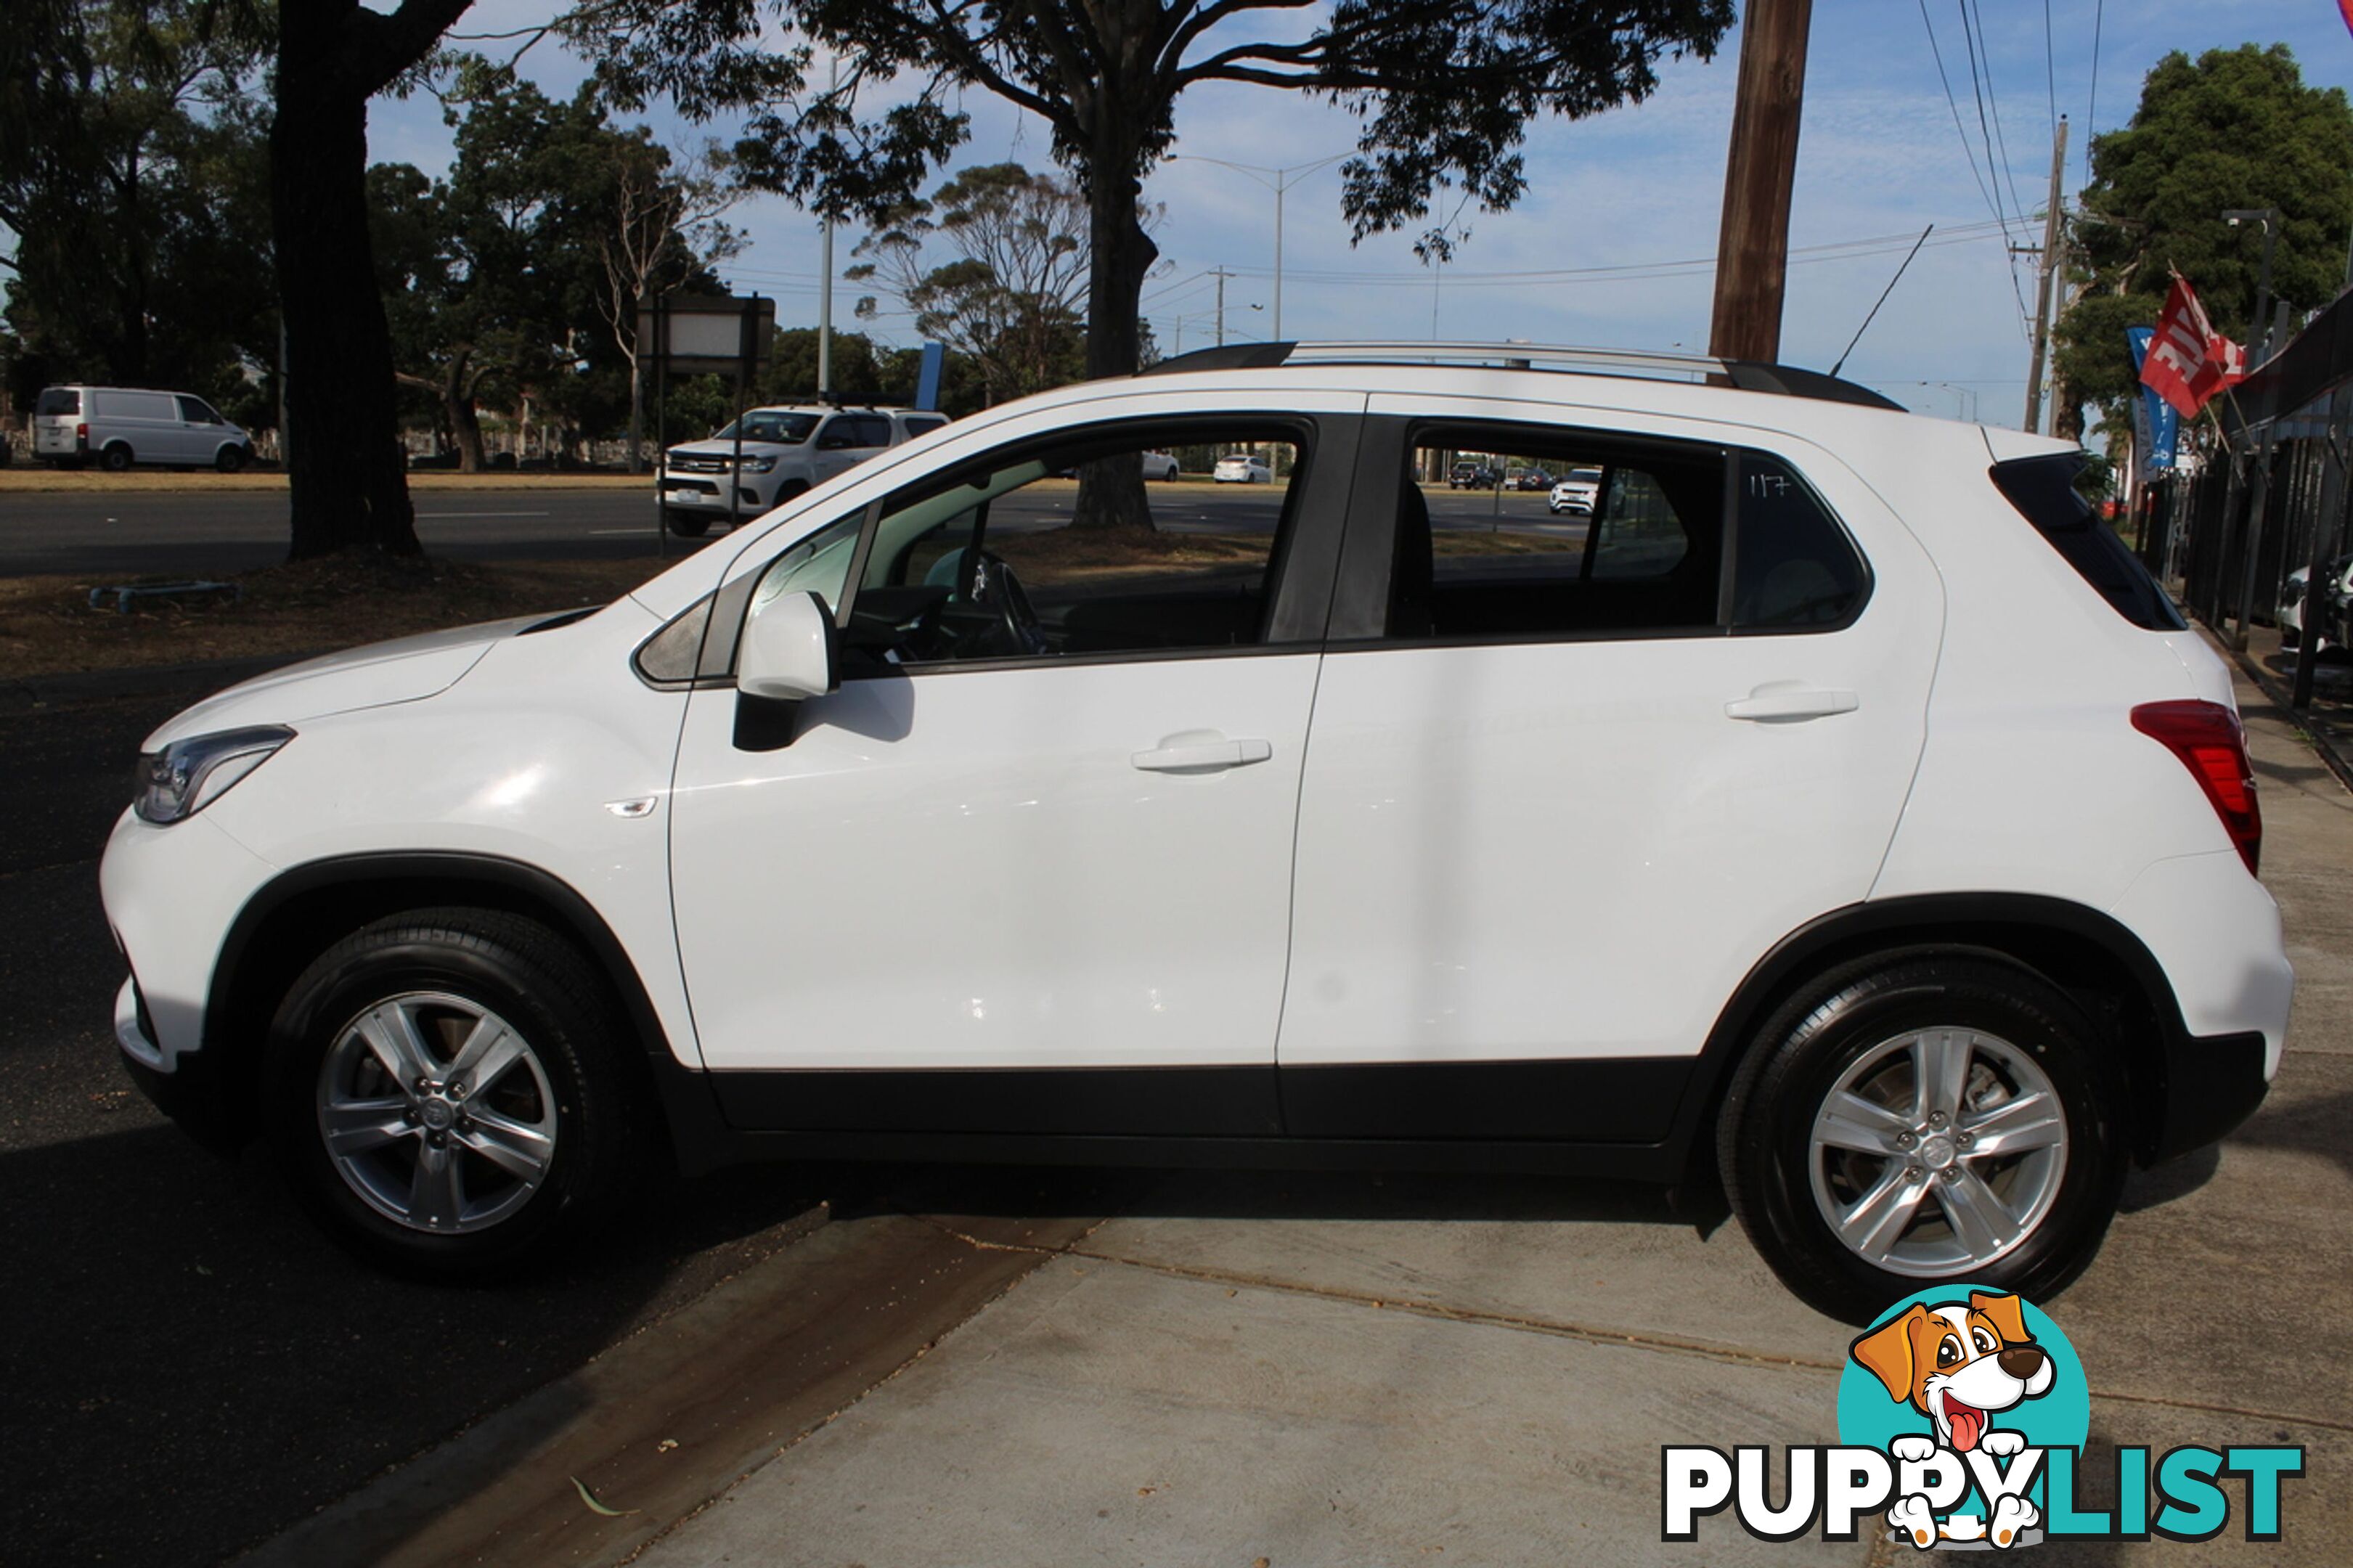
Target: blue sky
(1880, 157)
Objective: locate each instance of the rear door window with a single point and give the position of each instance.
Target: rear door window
(1797, 569)
(59, 403)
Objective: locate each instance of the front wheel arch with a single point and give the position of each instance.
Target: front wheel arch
(307, 910)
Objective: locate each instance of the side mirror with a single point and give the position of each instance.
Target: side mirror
(788, 650)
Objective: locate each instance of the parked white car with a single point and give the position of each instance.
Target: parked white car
(1579, 493)
(1160, 466)
(1243, 468)
(1901, 868)
(115, 427)
(785, 452)
(2335, 595)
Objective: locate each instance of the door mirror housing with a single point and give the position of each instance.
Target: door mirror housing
(789, 650)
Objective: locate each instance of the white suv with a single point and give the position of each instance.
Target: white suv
(1845, 812)
(784, 453)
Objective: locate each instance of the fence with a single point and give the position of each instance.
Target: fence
(2272, 500)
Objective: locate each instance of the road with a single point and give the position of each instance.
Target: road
(136, 533)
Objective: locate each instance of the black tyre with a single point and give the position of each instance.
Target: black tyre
(686, 524)
(230, 459)
(446, 1093)
(1922, 1120)
(791, 489)
(115, 459)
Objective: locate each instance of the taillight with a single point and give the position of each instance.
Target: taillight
(2207, 739)
(82, 432)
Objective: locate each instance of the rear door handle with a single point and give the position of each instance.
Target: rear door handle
(1181, 756)
(1786, 700)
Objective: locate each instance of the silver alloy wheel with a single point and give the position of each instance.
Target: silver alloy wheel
(436, 1112)
(1938, 1152)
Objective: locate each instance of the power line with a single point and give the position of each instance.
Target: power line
(2099, 15)
(2050, 67)
(1833, 250)
(1958, 129)
(1989, 102)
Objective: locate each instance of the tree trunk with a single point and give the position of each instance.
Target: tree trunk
(1110, 491)
(349, 484)
(458, 408)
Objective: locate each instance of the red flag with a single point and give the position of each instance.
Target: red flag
(2344, 9)
(2188, 361)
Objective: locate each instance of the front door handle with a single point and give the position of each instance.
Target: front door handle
(1785, 701)
(1197, 755)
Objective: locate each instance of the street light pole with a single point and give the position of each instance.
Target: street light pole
(1283, 179)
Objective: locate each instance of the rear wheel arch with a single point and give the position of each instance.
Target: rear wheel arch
(2092, 958)
(306, 911)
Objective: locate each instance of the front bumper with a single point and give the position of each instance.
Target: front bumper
(189, 1092)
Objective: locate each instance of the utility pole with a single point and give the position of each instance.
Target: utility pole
(1752, 248)
(1220, 274)
(2043, 289)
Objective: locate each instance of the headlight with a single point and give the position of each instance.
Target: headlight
(758, 465)
(188, 775)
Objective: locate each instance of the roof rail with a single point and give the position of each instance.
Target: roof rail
(1750, 376)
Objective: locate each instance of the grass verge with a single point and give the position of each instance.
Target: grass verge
(47, 627)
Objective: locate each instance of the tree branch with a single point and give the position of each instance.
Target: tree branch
(377, 48)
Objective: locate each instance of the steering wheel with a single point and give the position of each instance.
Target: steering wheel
(993, 582)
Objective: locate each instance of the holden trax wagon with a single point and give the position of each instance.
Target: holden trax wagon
(1839, 809)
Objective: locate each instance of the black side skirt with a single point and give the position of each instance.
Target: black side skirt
(1611, 1101)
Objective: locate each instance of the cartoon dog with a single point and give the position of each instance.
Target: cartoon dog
(1958, 1364)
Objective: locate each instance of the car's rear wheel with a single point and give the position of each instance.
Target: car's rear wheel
(686, 524)
(115, 459)
(1919, 1121)
(445, 1092)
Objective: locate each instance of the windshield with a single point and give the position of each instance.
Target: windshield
(782, 429)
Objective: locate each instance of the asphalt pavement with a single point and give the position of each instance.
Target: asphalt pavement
(190, 533)
(125, 534)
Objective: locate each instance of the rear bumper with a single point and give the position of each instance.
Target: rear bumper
(2211, 1084)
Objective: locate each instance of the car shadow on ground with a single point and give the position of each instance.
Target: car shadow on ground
(186, 1367)
(854, 1190)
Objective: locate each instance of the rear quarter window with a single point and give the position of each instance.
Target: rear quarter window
(2043, 491)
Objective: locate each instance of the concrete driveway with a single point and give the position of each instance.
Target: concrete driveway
(1290, 1370)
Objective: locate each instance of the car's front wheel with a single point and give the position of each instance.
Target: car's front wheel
(230, 459)
(1917, 1121)
(445, 1092)
(686, 524)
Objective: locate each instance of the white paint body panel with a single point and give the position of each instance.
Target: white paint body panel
(967, 869)
(518, 760)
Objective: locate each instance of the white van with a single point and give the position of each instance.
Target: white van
(121, 426)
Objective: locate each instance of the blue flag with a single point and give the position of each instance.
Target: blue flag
(2156, 426)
